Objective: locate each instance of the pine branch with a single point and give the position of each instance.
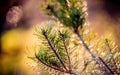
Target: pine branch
(108, 45)
(55, 68)
(69, 61)
(92, 54)
(84, 44)
(52, 48)
(71, 14)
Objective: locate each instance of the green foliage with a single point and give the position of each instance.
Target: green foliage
(80, 52)
(69, 12)
(104, 47)
(52, 49)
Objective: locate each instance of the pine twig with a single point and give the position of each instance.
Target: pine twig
(52, 48)
(91, 53)
(69, 61)
(55, 68)
(108, 45)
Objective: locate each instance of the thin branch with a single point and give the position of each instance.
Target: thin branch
(52, 48)
(106, 41)
(85, 45)
(110, 49)
(69, 61)
(91, 53)
(55, 68)
(106, 66)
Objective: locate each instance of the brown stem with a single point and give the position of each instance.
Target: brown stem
(91, 53)
(85, 45)
(112, 55)
(69, 62)
(55, 68)
(54, 51)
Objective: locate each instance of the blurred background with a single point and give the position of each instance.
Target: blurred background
(19, 17)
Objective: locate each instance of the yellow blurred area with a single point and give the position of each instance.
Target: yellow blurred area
(104, 24)
(15, 44)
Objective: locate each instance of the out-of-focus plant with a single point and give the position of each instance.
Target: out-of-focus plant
(63, 43)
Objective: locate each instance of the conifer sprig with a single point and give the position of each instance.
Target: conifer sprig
(55, 44)
(74, 17)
